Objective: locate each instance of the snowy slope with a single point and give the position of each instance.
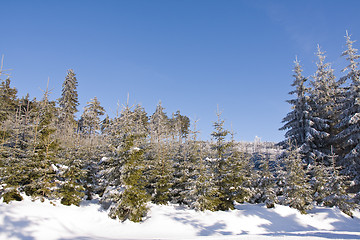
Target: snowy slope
(35, 220)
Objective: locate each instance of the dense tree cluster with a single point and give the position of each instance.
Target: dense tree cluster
(324, 127)
(134, 158)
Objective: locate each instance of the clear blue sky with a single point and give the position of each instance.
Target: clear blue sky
(191, 54)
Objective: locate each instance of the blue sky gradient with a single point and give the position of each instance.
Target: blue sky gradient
(191, 54)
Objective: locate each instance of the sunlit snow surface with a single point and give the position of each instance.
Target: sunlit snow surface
(35, 220)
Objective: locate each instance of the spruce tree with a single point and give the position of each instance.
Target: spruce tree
(68, 101)
(71, 187)
(266, 183)
(131, 203)
(298, 122)
(297, 190)
(90, 119)
(324, 94)
(238, 174)
(336, 189)
(320, 176)
(228, 168)
(161, 164)
(124, 172)
(8, 99)
(349, 131)
(38, 178)
(92, 144)
(202, 193)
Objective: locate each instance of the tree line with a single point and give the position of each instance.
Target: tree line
(134, 158)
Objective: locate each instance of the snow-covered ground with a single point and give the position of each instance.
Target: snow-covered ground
(35, 220)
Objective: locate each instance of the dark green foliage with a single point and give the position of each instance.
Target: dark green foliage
(8, 107)
(41, 179)
(11, 195)
(71, 190)
(125, 174)
(8, 100)
(131, 203)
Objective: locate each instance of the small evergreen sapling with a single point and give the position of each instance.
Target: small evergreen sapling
(297, 190)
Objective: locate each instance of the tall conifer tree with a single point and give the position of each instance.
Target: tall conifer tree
(349, 130)
(297, 122)
(324, 94)
(68, 101)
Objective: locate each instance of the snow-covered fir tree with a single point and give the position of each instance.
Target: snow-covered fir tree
(239, 175)
(297, 190)
(298, 122)
(180, 144)
(45, 150)
(203, 193)
(131, 202)
(111, 165)
(90, 119)
(266, 183)
(68, 101)
(349, 130)
(160, 162)
(324, 95)
(336, 189)
(228, 168)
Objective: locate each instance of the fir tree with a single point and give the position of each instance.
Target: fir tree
(298, 122)
(8, 99)
(238, 175)
(324, 94)
(128, 198)
(161, 164)
(71, 189)
(320, 176)
(228, 168)
(349, 131)
(68, 101)
(131, 203)
(8, 106)
(266, 183)
(180, 125)
(202, 193)
(336, 189)
(90, 119)
(297, 190)
(42, 178)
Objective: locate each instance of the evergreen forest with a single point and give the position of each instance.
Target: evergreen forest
(135, 158)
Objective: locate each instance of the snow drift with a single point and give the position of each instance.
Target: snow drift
(50, 220)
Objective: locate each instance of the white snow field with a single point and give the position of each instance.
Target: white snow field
(29, 220)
